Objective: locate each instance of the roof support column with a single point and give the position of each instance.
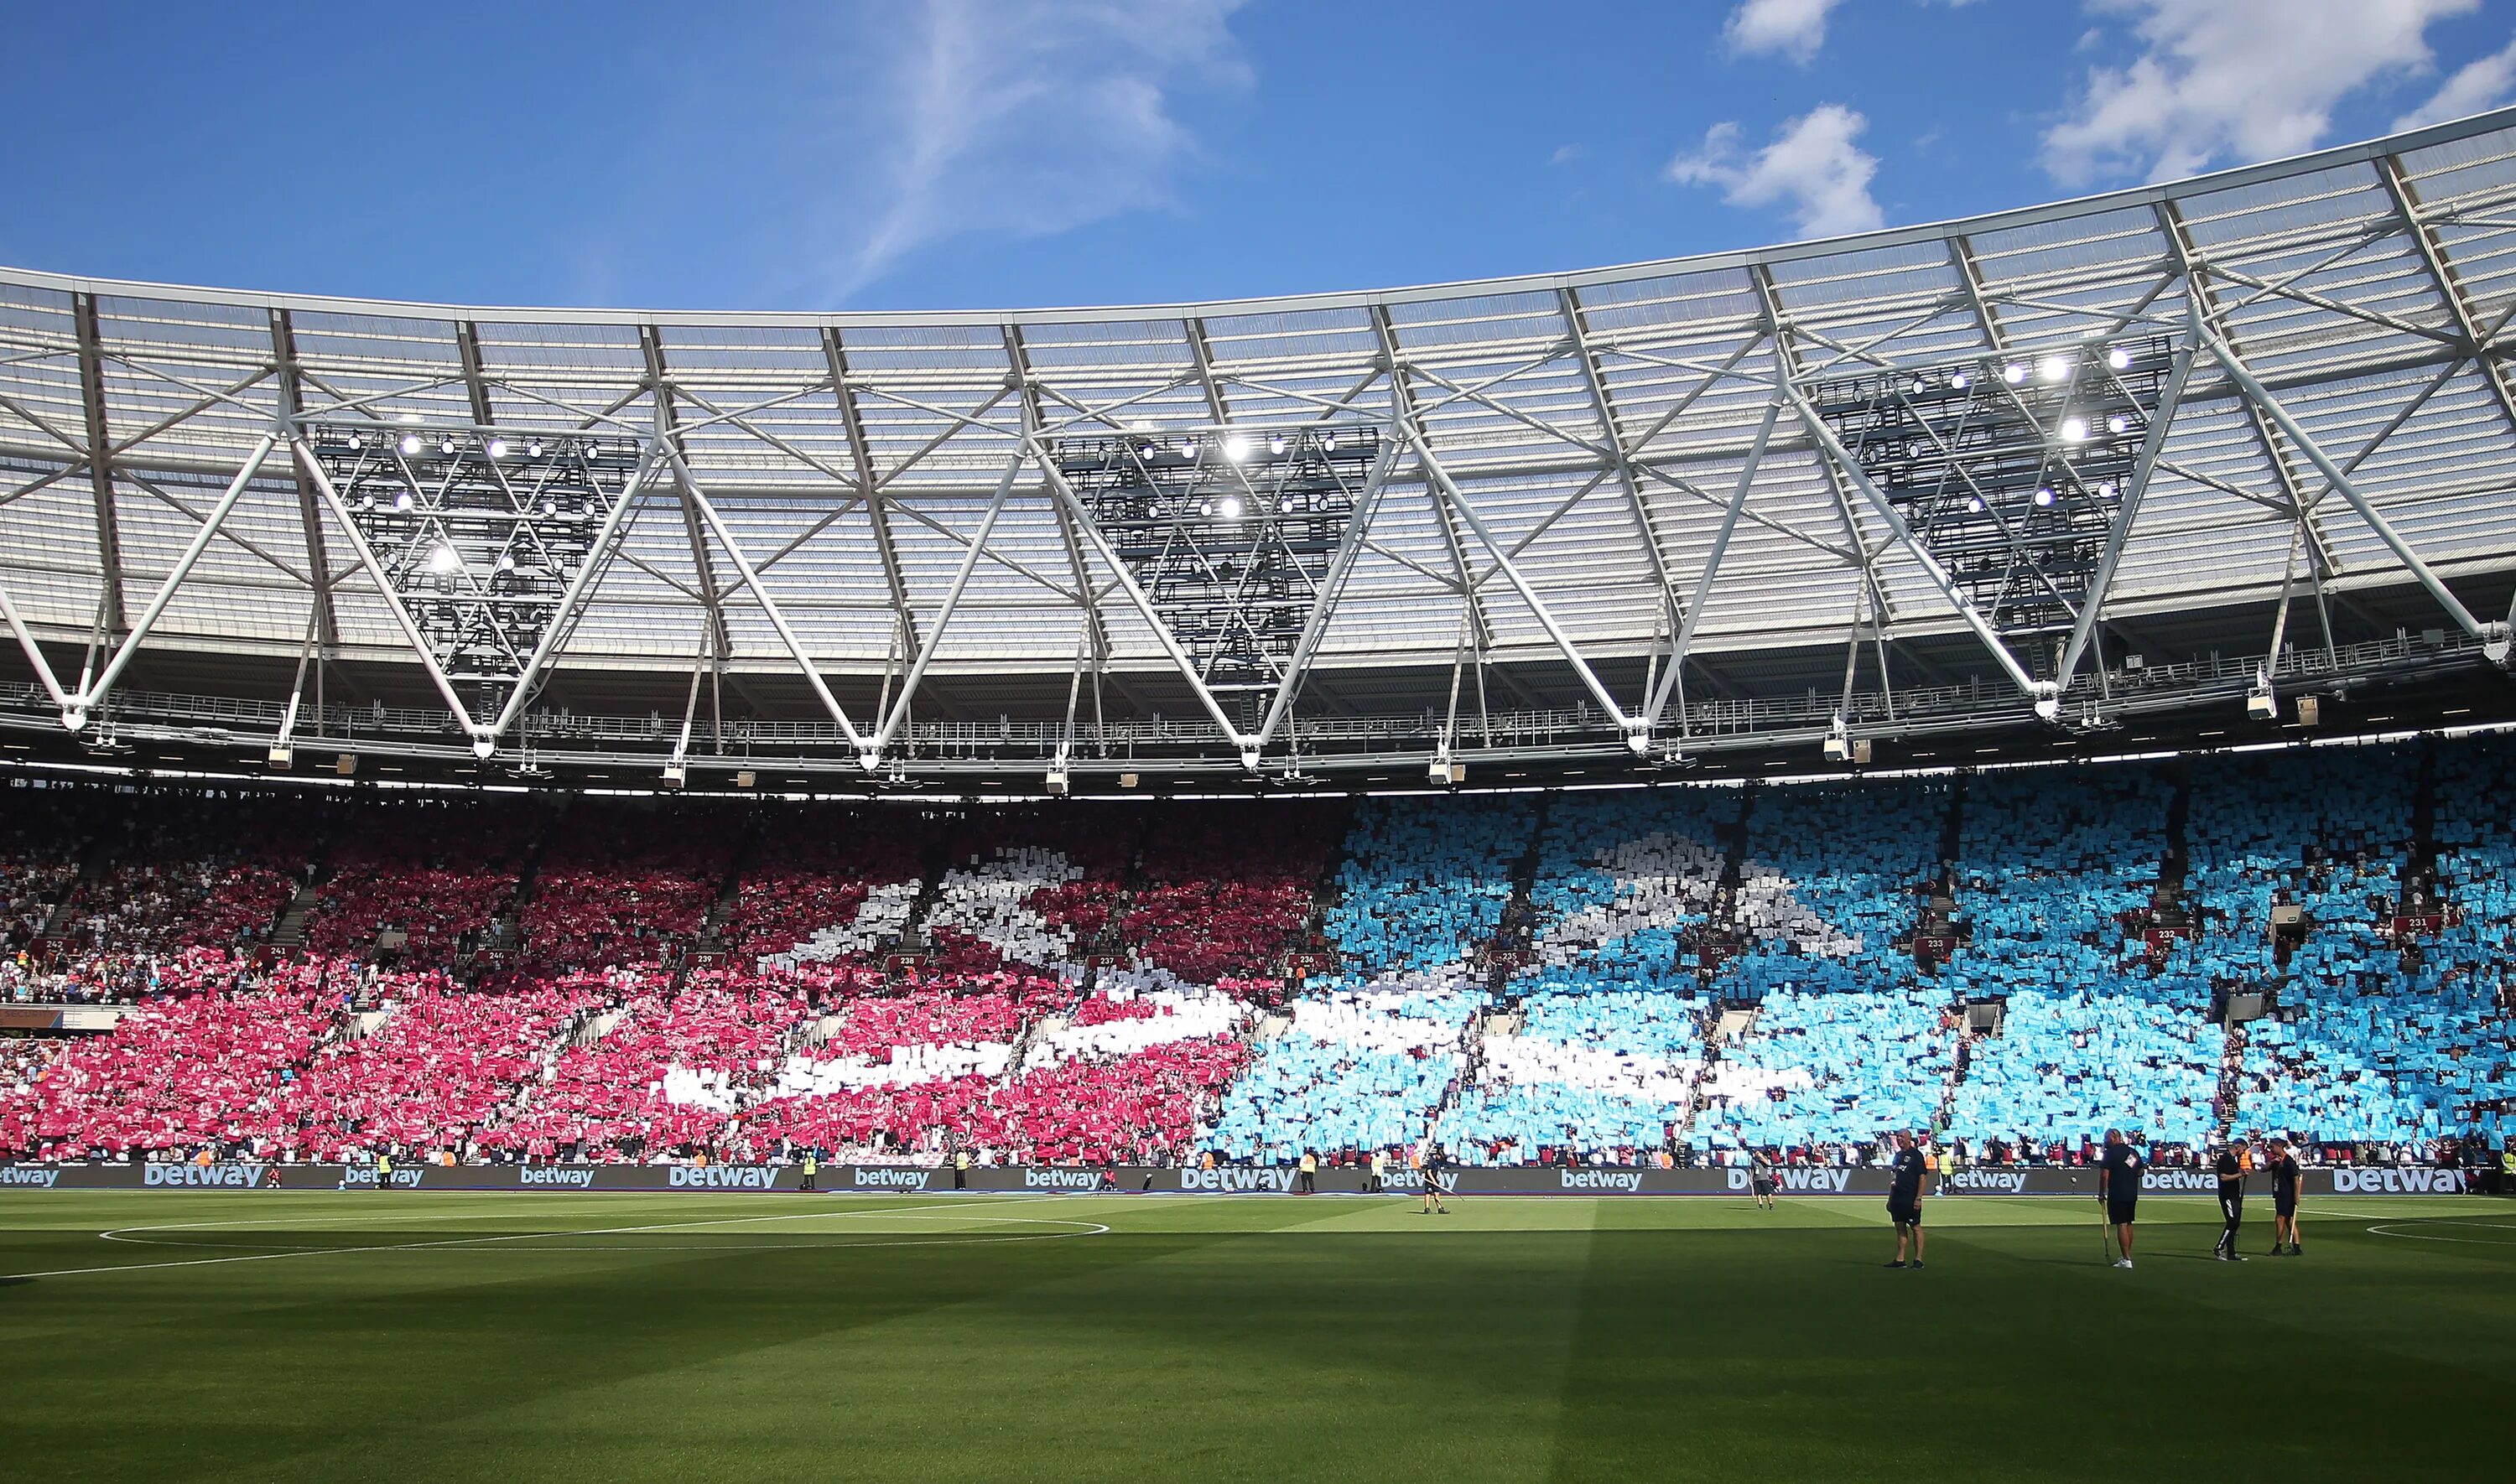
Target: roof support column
(2494, 635)
(1297, 667)
(310, 515)
(2144, 464)
(100, 457)
(1684, 639)
(2389, 169)
(1894, 519)
(74, 713)
(872, 749)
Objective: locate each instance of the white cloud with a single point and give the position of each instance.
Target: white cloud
(2475, 86)
(1034, 118)
(1812, 169)
(2234, 80)
(1792, 28)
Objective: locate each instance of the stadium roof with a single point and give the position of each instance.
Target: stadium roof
(1575, 477)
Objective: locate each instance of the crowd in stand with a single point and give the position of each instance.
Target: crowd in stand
(1227, 888)
(434, 872)
(624, 885)
(1681, 975)
(825, 887)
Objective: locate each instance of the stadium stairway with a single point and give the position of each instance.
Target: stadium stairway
(1508, 948)
(288, 934)
(712, 935)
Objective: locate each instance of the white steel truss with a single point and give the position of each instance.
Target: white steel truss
(1625, 453)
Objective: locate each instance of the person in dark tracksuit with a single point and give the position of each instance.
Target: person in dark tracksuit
(2119, 1186)
(2232, 1204)
(1904, 1200)
(2285, 1201)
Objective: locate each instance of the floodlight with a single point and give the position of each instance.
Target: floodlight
(2117, 423)
(534, 449)
(1276, 445)
(1960, 381)
(1235, 447)
(497, 448)
(1974, 505)
(2013, 373)
(1230, 508)
(445, 446)
(410, 442)
(2054, 368)
(402, 498)
(2119, 359)
(443, 559)
(2075, 430)
(2043, 496)
(1327, 441)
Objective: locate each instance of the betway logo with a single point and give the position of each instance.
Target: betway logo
(1989, 1181)
(239, 1177)
(890, 1179)
(1626, 1181)
(2202, 1180)
(1237, 1180)
(44, 1178)
(1803, 1181)
(566, 1179)
(365, 1180)
(2398, 1182)
(724, 1178)
(1061, 1179)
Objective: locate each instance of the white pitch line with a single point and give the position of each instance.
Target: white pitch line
(327, 1251)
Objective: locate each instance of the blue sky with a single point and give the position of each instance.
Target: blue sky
(974, 153)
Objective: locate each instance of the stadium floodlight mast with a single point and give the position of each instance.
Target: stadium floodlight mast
(483, 559)
(2012, 478)
(1239, 540)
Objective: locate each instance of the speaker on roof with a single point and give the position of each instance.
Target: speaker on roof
(2310, 710)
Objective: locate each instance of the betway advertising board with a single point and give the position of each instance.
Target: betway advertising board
(862, 1180)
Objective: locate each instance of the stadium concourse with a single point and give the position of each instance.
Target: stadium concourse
(2305, 942)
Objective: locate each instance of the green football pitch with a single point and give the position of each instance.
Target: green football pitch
(304, 1336)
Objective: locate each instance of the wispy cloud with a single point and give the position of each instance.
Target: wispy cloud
(2481, 84)
(1027, 118)
(2234, 80)
(1791, 28)
(1814, 169)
